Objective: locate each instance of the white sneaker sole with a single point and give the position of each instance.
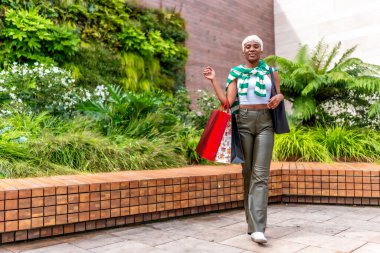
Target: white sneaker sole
(261, 241)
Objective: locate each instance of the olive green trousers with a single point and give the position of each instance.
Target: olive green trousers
(257, 139)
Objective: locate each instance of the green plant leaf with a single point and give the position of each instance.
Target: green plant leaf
(304, 107)
(374, 110)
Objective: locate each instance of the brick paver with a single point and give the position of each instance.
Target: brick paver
(291, 228)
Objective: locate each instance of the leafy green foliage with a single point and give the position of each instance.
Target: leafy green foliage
(95, 64)
(141, 120)
(306, 107)
(300, 145)
(325, 144)
(27, 36)
(349, 144)
(374, 109)
(321, 90)
(143, 75)
(137, 115)
(37, 87)
(119, 108)
(113, 26)
(54, 146)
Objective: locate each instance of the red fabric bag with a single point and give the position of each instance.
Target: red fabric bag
(212, 135)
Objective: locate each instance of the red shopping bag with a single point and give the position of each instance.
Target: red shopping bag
(212, 135)
(230, 149)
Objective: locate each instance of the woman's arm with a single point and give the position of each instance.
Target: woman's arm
(275, 100)
(209, 74)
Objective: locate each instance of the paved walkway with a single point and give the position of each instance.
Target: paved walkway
(291, 228)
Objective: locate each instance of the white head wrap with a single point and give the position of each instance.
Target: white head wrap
(254, 38)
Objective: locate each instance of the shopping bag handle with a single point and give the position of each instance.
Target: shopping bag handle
(226, 106)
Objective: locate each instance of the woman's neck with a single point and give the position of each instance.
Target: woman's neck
(252, 64)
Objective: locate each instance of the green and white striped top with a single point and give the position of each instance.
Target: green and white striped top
(243, 73)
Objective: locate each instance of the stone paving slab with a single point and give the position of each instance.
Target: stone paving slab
(369, 248)
(292, 228)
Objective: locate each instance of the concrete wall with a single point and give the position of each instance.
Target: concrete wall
(349, 21)
(216, 29)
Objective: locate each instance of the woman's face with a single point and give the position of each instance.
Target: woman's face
(252, 51)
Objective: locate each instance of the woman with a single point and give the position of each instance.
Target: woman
(249, 88)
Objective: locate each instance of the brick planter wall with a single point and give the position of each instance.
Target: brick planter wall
(41, 207)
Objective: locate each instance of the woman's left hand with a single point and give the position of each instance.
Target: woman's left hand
(275, 101)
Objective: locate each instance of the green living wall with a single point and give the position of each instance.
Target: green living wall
(100, 42)
(89, 86)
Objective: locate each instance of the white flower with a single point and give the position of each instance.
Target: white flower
(13, 96)
(6, 112)
(88, 94)
(55, 70)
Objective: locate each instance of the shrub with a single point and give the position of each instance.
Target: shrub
(119, 29)
(54, 146)
(29, 37)
(41, 88)
(95, 64)
(301, 144)
(325, 144)
(346, 144)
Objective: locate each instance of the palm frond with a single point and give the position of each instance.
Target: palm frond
(312, 86)
(283, 64)
(291, 84)
(117, 95)
(302, 56)
(347, 64)
(374, 110)
(366, 84)
(304, 74)
(271, 60)
(318, 55)
(331, 56)
(96, 109)
(346, 54)
(304, 107)
(338, 77)
(371, 69)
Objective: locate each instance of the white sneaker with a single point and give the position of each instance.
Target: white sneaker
(259, 237)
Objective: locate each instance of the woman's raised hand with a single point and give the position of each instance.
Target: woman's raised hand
(209, 73)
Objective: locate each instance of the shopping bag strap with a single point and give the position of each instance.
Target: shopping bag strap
(273, 80)
(226, 106)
